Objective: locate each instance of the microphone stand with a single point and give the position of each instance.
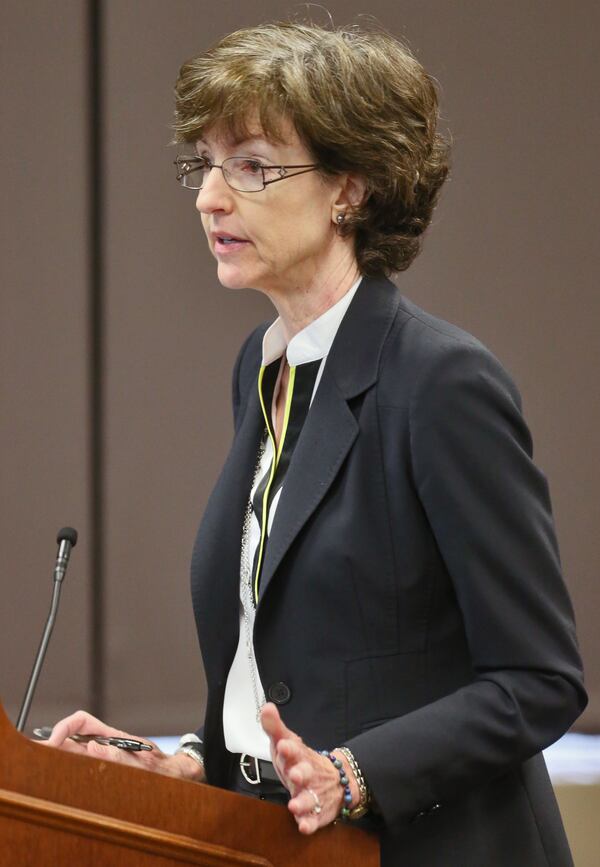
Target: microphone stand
(67, 539)
(39, 659)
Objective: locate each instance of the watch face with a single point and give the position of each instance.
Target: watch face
(358, 812)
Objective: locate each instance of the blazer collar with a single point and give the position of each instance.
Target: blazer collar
(354, 357)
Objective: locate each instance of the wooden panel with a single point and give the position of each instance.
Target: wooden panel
(107, 840)
(111, 805)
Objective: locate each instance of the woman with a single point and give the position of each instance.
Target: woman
(394, 642)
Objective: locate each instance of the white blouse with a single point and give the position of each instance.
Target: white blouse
(243, 732)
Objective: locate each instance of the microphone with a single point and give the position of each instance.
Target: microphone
(66, 540)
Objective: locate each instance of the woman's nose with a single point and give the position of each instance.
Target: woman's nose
(215, 194)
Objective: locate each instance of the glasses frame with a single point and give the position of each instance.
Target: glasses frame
(282, 170)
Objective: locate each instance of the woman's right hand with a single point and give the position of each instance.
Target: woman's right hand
(83, 723)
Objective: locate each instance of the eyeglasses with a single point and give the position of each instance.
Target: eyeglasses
(244, 174)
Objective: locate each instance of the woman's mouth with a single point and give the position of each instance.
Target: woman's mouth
(228, 244)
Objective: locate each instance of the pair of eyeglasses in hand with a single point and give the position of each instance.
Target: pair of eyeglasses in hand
(121, 743)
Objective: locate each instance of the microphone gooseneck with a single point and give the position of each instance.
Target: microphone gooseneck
(66, 539)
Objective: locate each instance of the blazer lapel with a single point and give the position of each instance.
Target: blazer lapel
(330, 428)
(327, 436)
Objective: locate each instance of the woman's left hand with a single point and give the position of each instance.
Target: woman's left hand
(311, 778)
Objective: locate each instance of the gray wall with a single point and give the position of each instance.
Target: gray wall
(511, 257)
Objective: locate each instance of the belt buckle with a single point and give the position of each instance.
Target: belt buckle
(246, 761)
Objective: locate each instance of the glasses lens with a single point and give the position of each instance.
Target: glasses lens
(243, 174)
(191, 172)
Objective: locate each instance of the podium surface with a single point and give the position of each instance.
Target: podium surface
(57, 808)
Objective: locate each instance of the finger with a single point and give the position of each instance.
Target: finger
(111, 754)
(78, 722)
(297, 763)
(103, 751)
(308, 824)
(273, 725)
(68, 746)
(290, 751)
(286, 755)
(82, 722)
(302, 804)
(301, 774)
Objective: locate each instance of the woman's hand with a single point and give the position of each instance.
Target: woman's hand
(83, 723)
(310, 777)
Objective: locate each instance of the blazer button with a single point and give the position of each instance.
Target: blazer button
(279, 693)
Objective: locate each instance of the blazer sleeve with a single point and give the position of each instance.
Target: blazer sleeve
(489, 510)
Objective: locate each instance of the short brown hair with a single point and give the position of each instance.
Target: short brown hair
(359, 101)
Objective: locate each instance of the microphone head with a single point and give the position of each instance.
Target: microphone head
(67, 534)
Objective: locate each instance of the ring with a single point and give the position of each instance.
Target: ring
(318, 807)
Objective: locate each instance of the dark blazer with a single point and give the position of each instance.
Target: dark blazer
(411, 602)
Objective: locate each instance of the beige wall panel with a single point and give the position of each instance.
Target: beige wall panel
(517, 258)
(580, 807)
(171, 340)
(43, 351)
(510, 258)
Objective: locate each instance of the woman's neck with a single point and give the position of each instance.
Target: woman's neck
(301, 305)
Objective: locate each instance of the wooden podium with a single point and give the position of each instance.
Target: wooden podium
(63, 810)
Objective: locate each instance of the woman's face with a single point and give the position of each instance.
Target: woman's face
(287, 232)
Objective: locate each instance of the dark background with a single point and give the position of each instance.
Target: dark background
(116, 340)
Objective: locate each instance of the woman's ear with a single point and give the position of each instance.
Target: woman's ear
(356, 186)
(351, 194)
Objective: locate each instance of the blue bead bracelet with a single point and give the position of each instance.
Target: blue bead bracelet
(344, 782)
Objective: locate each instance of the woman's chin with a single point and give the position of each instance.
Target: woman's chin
(232, 277)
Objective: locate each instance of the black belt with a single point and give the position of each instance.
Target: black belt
(256, 771)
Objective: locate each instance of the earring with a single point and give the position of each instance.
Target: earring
(340, 219)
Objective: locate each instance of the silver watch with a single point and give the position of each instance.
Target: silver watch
(191, 746)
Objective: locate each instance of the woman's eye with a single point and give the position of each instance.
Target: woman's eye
(251, 167)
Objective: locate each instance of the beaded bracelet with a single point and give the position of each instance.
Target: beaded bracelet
(344, 782)
(365, 797)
